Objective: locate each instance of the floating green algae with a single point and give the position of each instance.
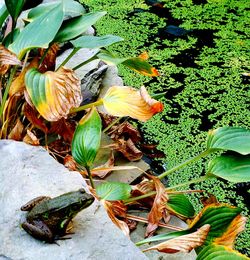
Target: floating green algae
(201, 73)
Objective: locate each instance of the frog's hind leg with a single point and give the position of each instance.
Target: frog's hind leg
(32, 203)
(39, 230)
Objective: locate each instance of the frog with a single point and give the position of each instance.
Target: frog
(48, 218)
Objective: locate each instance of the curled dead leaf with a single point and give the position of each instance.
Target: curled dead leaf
(17, 132)
(30, 138)
(119, 223)
(70, 163)
(157, 212)
(7, 58)
(127, 101)
(183, 243)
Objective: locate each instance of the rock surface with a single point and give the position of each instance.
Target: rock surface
(27, 172)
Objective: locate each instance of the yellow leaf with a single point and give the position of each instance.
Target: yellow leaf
(127, 101)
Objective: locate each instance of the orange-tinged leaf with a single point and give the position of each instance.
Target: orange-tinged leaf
(235, 227)
(30, 138)
(7, 58)
(34, 119)
(119, 223)
(183, 243)
(127, 101)
(17, 131)
(144, 56)
(53, 93)
(159, 207)
(69, 162)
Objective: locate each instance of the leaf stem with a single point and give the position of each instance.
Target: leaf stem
(112, 124)
(90, 177)
(74, 51)
(6, 92)
(81, 108)
(178, 167)
(85, 62)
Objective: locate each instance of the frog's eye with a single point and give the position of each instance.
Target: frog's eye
(82, 190)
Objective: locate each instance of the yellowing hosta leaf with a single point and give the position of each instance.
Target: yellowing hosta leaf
(87, 138)
(183, 243)
(127, 101)
(53, 93)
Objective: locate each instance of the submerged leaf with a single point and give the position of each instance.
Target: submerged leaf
(159, 207)
(127, 101)
(53, 93)
(184, 243)
(87, 138)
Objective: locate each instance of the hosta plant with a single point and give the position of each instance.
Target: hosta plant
(40, 104)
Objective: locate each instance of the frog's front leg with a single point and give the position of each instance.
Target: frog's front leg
(32, 203)
(39, 230)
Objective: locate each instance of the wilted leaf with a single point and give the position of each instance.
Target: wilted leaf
(64, 128)
(234, 168)
(17, 132)
(179, 205)
(49, 61)
(128, 149)
(159, 207)
(216, 252)
(119, 223)
(127, 101)
(53, 93)
(119, 208)
(34, 119)
(211, 199)
(92, 42)
(76, 26)
(113, 191)
(7, 58)
(183, 243)
(235, 139)
(44, 28)
(69, 162)
(30, 138)
(141, 66)
(229, 236)
(87, 138)
(144, 56)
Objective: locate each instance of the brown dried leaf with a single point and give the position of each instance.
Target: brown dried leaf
(128, 149)
(17, 131)
(119, 208)
(183, 243)
(99, 172)
(7, 58)
(70, 163)
(65, 128)
(228, 237)
(119, 223)
(34, 118)
(159, 207)
(49, 61)
(209, 200)
(144, 55)
(30, 138)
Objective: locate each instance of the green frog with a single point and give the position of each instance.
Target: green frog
(48, 219)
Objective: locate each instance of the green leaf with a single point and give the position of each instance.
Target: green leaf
(76, 26)
(234, 168)
(113, 191)
(93, 42)
(110, 58)
(229, 138)
(166, 236)
(14, 7)
(87, 138)
(3, 14)
(71, 8)
(179, 204)
(218, 216)
(217, 252)
(39, 33)
(11, 37)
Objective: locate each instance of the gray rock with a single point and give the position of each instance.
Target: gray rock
(27, 172)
